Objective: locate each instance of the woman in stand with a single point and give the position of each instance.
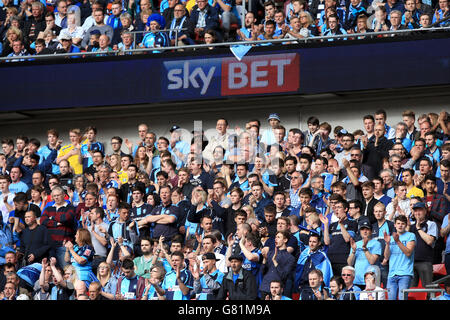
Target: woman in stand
(107, 281)
(157, 273)
(81, 255)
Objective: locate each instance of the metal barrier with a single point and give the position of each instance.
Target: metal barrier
(352, 36)
(431, 291)
(366, 291)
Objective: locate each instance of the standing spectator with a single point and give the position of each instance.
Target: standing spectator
(123, 229)
(71, 152)
(178, 282)
(60, 222)
(380, 227)
(165, 216)
(206, 285)
(337, 236)
(364, 253)
(80, 255)
(426, 233)
(399, 251)
(98, 230)
(157, 274)
(400, 204)
(143, 263)
(6, 197)
(61, 16)
(278, 264)
(107, 281)
(238, 283)
(313, 257)
(129, 285)
(99, 20)
(33, 240)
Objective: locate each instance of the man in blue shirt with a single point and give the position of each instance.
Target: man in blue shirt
(400, 252)
(178, 282)
(16, 184)
(129, 286)
(364, 253)
(207, 285)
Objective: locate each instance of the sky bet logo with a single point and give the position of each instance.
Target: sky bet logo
(207, 78)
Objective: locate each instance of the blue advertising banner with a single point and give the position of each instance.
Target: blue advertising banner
(218, 74)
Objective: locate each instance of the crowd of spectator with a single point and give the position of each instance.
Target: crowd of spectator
(228, 214)
(33, 27)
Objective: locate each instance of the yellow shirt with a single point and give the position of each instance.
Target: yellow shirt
(415, 192)
(73, 160)
(190, 4)
(123, 176)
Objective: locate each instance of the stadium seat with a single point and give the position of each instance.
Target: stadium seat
(417, 295)
(439, 270)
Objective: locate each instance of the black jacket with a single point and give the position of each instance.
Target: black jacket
(244, 288)
(34, 242)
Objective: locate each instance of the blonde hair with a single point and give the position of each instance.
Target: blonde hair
(250, 209)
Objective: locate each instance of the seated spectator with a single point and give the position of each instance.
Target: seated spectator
(18, 50)
(179, 21)
(73, 30)
(203, 17)
(155, 38)
(333, 27)
(114, 19)
(99, 24)
(316, 289)
(245, 32)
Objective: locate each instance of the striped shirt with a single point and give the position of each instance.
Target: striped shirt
(60, 223)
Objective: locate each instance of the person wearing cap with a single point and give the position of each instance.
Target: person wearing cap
(426, 232)
(238, 283)
(399, 251)
(364, 252)
(206, 282)
(268, 136)
(154, 38)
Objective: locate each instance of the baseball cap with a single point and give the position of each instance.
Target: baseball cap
(209, 256)
(274, 116)
(342, 132)
(419, 205)
(365, 224)
(174, 127)
(65, 36)
(236, 256)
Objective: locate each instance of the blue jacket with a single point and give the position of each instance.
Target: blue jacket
(27, 172)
